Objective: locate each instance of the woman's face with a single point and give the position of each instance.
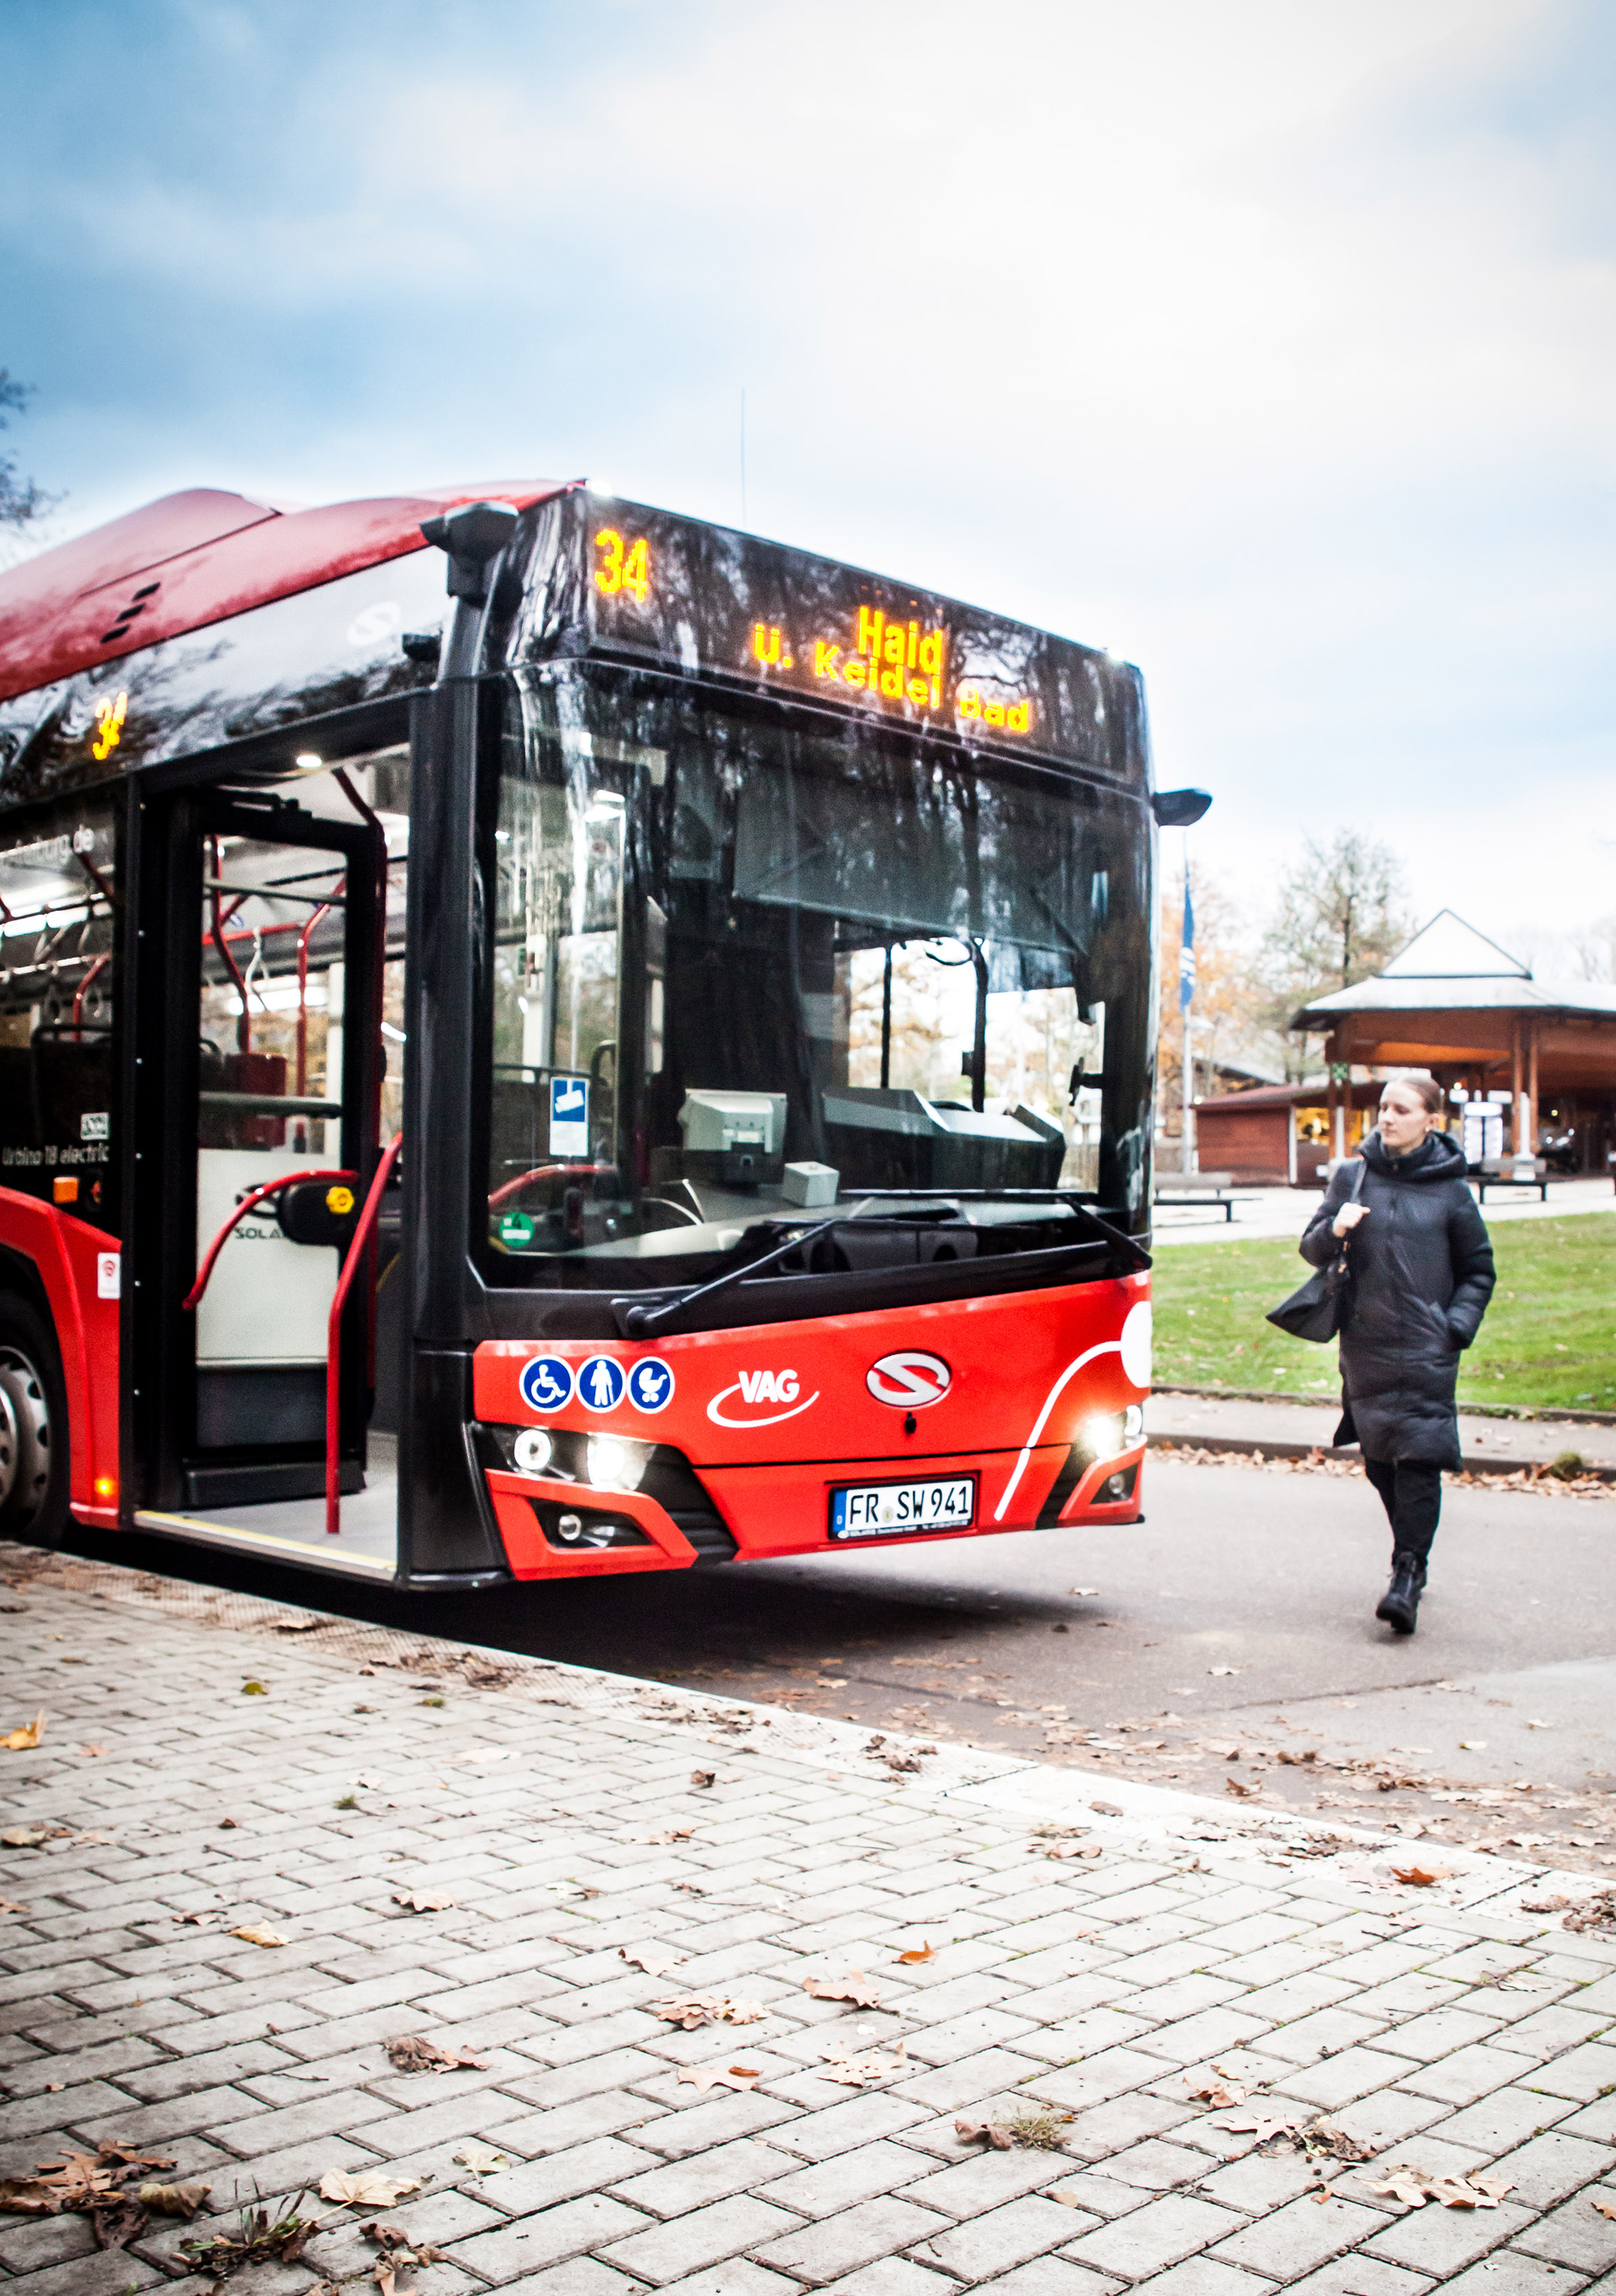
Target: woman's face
(1404, 1118)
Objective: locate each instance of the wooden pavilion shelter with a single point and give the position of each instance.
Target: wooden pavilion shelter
(1456, 1003)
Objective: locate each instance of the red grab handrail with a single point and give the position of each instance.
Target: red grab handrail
(249, 1202)
(546, 1172)
(333, 1331)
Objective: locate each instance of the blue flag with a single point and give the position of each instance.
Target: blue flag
(1187, 953)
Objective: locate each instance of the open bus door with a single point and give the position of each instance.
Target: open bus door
(257, 1099)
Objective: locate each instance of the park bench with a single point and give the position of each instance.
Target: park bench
(1500, 1172)
(1212, 1188)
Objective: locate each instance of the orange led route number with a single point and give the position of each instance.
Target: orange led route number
(108, 726)
(899, 662)
(625, 566)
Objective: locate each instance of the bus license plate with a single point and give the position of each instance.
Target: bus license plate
(887, 1510)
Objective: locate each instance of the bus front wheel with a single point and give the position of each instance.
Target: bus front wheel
(34, 1452)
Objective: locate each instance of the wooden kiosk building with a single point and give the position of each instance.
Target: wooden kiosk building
(1538, 1058)
(1542, 1053)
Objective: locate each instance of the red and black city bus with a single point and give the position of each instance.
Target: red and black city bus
(648, 1063)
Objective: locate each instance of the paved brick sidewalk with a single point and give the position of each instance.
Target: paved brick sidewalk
(1446, 2026)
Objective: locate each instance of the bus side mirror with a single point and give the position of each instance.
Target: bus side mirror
(1180, 809)
(473, 536)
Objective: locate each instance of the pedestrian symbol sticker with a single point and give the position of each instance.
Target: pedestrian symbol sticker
(546, 1383)
(569, 1116)
(600, 1384)
(650, 1384)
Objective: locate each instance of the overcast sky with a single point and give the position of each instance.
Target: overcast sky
(1268, 342)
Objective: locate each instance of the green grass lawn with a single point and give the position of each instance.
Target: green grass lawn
(1549, 1336)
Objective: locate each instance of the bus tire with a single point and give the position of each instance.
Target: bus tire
(35, 1453)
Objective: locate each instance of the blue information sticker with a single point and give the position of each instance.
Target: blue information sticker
(546, 1383)
(569, 1116)
(650, 1384)
(600, 1384)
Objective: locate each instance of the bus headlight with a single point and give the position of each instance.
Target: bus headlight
(532, 1450)
(1133, 1425)
(1101, 1436)
(616, 1465)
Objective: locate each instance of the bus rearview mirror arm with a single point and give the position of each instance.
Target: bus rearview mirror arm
(473, 537)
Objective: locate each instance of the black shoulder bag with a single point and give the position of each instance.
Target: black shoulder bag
(1324, 1305)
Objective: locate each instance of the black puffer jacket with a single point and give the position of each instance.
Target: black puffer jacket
(1424, 1275)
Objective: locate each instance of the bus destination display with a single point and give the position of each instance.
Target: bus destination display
(626, 579)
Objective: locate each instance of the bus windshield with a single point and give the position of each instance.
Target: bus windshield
(745, 960)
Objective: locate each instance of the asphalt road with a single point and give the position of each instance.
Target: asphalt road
(1229, 1637)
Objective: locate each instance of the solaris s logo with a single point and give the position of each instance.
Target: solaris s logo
(909, 1380)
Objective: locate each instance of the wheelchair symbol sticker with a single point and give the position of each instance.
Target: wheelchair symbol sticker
(650, 1384)
(546, 1383)
(600, 1384)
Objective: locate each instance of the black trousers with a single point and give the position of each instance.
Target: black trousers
(1412, 1495)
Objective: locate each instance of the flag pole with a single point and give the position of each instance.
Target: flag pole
(1187, 1159)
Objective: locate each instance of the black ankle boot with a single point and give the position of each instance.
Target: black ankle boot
(1400, 1605)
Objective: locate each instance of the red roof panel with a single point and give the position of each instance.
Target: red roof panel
(200, 556)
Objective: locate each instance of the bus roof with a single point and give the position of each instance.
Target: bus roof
(198, 557)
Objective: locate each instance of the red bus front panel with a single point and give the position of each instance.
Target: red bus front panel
(775, 1418)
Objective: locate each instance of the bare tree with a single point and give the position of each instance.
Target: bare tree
(21, 500)
(1339, 917)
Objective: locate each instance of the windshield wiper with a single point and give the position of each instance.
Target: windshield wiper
(640, 1322)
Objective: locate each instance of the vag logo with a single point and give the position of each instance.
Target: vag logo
(755, 1387)
(909, 1380)
(768, 1386)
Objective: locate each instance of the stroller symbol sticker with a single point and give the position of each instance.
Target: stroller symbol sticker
(650, 1384)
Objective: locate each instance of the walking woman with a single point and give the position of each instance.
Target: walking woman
(1422, 1274)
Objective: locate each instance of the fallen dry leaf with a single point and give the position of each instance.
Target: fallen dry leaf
(421, 1901)
(28, 2196)
(1263, 2125)
(10, 1906)
(260, 1934)
(924, 1951)
(414, 2053)
(254, 1690)
(653, 1965)
(203, 1918)
(703, 1777)
(855, 1987)
(674, 1834)
(1216, 2091)
(1106, 1808)
(30, 1837)
(173, 2200)
(1606, 2209)
(94, 1750)
(860, 2073)
(1243, 1792)
(991, 2132)
(480, 2160)
(1422, 1877)
(706, 2077)
(26, 1736)
(1074, 1849)
(691, 2010)
(366, 2188)
(1480, 2189)
(1067, 2199)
